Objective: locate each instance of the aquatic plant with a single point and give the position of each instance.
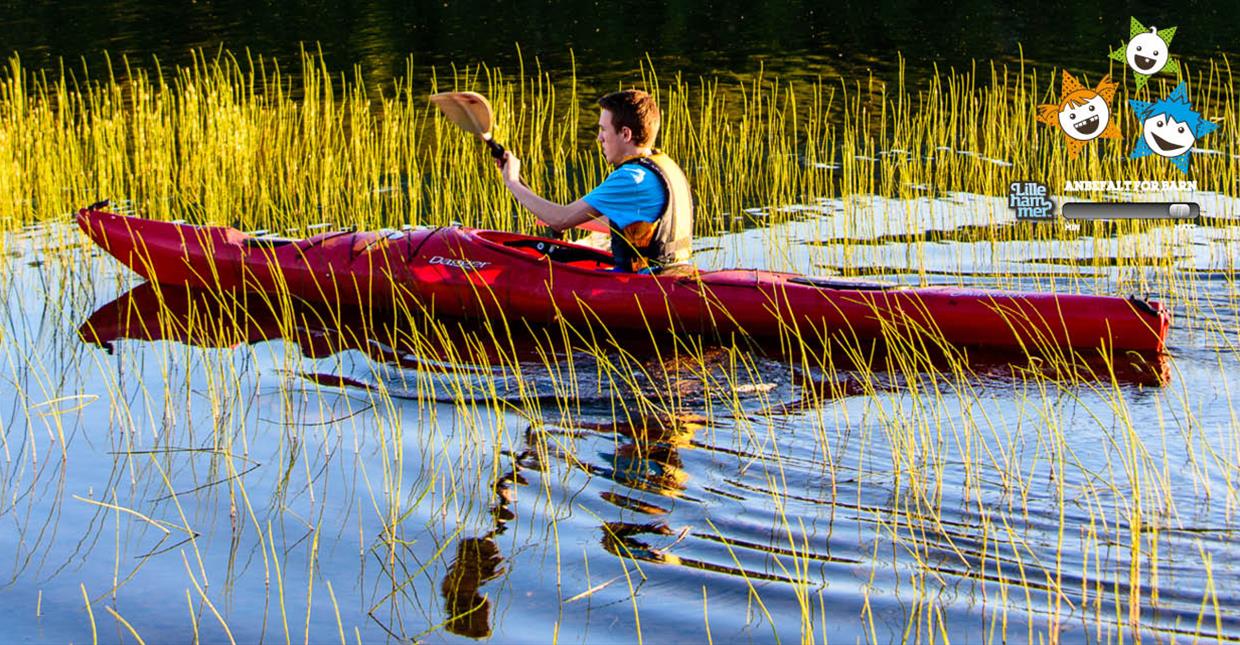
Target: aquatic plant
(369, 473)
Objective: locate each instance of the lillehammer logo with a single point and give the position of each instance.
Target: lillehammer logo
(1030, 200)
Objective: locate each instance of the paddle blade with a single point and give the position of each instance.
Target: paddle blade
(470, 111)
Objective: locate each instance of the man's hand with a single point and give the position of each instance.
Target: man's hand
(509, 168)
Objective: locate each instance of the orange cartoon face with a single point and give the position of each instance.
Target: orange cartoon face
(1083, 114)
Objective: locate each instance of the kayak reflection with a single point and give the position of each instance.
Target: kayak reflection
(226, 319)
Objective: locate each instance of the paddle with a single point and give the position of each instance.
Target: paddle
(471, 112)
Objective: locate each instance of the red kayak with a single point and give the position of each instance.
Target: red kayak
(469, 273)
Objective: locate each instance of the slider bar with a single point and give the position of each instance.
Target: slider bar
(1131, 210)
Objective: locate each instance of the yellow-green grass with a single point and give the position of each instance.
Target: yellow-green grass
(250, 142)
(242, 140)
(221, 143)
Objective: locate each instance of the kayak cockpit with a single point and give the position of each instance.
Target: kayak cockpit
(576, 255)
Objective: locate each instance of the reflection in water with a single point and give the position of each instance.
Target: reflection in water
(646, 459)
(379, 35)
(647, 453)
(204, 319)
(149, 312)
(624, 539)
(477, 561)
(645, 465)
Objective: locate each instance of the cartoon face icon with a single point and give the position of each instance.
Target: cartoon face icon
(1085, 121)
(1170, 127)
(1167, 137)
(1082, 114)
(1147, 53)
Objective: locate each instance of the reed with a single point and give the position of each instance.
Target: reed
(242, 140)
(419, 469)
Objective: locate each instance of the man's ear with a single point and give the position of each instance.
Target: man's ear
(626, 133)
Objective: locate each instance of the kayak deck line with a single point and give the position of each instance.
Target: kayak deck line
(467, 273)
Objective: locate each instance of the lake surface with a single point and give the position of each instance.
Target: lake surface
(607, 43)
(900, 503)
(288, 475)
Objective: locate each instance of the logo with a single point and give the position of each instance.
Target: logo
(1082, 114)
(638, 173)
(1029, 200)
(1170, 127)
(1147, 52)
(464, 265)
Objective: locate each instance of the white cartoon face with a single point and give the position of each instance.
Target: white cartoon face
(1086, 121)
(1147, 53)
(1168, 137)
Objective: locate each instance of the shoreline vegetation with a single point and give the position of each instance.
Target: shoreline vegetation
(371, 475)
(242, 140)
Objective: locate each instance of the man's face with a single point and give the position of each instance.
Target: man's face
(615, 143)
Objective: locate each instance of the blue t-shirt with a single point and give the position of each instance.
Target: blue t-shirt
(631, 193)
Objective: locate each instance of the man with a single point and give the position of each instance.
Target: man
(645, 200)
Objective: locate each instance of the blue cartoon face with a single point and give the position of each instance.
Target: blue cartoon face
(1166, 136)
(1170, 127)
(1086, 121)
(1147, 53)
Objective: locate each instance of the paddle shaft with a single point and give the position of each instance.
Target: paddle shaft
(497, 151)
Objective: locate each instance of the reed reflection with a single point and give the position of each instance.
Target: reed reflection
(645, 464)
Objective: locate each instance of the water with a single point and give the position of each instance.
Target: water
(312, 478)
(700, 37)
(897, 504)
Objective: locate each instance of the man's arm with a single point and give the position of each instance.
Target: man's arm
(558, 216)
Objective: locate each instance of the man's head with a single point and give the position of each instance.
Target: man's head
(628, 122)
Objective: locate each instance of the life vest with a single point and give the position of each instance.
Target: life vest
(667, 240)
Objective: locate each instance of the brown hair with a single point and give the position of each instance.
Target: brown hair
(635, 110)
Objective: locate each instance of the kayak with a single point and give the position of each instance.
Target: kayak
(468, 273)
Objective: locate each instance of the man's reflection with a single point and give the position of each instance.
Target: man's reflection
(477, 561)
